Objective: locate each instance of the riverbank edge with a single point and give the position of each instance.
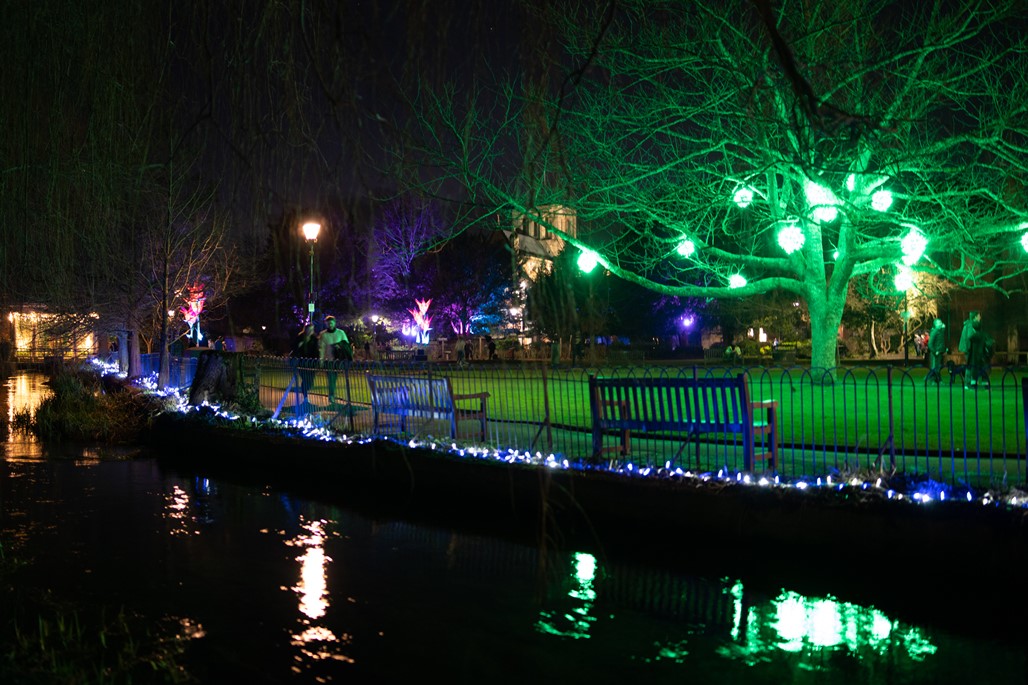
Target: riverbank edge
(946, 552)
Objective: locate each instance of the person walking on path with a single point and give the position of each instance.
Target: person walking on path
(973, 343)
(332, 346)
(305, 351)
(936, 351)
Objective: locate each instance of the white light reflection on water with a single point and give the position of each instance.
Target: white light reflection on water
(316, 642)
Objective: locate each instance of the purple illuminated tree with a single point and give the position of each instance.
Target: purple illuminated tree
(471, 281)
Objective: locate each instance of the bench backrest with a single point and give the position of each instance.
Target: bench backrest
(684, 404)
(411, 393)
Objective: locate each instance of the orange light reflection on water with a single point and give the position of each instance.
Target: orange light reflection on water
(22, 392)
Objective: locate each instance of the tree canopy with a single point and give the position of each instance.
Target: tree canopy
(726, 149)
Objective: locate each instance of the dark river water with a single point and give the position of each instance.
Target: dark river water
(248, 584)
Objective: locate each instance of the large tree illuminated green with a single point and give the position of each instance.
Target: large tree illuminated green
(856, 130)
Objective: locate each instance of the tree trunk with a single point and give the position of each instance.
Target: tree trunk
(135, 361)
(123, 351)
(214, 380)
(825, 318)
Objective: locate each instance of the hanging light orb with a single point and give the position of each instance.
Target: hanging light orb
(686, 248)
(881, 200)
(913, 245)
(743, 197)
(791, 238)
(588, 260)
(737, 281)
(822, 202)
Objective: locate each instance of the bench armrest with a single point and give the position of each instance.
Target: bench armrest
(480, 396)
(472, 396)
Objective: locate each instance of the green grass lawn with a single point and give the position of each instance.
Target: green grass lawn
(941, 422)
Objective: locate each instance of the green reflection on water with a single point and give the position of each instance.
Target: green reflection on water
(753, 628)
(576, 621)
(802, 624)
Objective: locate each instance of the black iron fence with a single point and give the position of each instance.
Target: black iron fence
(831, 423)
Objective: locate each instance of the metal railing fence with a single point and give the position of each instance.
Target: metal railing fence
(181, 369)
(831, 422)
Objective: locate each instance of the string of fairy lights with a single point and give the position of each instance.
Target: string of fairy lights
(923, 493)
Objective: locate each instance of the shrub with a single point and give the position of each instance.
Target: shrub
(79, 408)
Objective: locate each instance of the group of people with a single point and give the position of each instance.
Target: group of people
(975, 344)
(332, 344)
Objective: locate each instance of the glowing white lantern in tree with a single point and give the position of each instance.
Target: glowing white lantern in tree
(913, 245)
(743, 197)
(588, 260)
(791, 237)
(881, 200)
(822, 202)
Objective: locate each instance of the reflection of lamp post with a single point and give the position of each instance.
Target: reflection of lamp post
(310, 234)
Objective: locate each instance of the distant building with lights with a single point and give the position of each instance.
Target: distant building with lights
(535, 245)
(35, 335)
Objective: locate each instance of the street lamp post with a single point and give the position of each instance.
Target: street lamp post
(906, 331)
(310, 234)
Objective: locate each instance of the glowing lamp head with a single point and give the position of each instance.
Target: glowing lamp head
(686, 248)
(588, 260)
(913, 245)
(1024, 238)
(737, 281)
(311, 230)
(791, 238)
